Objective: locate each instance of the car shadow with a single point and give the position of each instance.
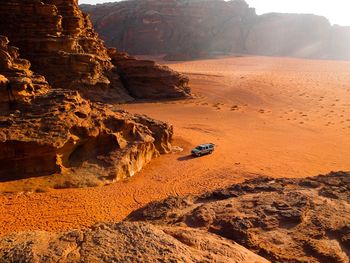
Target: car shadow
(186, 158)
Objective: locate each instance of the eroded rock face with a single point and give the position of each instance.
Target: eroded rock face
(24, 83)
(195, 29)
(145, 79)
(53, 131)
(59, 41)
(60, 132)
(282, 220)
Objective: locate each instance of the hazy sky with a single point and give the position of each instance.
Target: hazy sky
(337, 11)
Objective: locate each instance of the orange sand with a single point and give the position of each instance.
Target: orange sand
(268, 116)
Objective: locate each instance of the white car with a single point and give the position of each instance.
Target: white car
(202, 149)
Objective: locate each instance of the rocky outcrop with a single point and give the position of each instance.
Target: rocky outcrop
(59, 41)
(62, 133)
(282, 220)
(46, 131)
(125, 242)
(145, 79)
(195, 29)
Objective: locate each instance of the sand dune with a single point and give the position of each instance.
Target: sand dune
(268, 116)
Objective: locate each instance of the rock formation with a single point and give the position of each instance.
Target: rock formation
(59, 41)
(62, 133)
(46, 124)
(125, 242)
(282, 220)
(24, 83)
(191, 29)
(50, 131)
(145, 79)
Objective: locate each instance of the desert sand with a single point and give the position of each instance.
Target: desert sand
(277, 117)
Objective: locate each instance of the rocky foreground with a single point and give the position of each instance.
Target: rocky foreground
(260, 220)
(197, 29)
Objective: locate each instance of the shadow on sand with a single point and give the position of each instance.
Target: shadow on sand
(186, 158)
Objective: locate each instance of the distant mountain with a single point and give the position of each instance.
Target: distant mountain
(187, 29)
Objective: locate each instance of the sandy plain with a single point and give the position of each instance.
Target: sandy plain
(278, 117)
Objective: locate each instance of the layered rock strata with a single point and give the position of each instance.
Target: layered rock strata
(281, 220)
(145, 79)
(195, 29)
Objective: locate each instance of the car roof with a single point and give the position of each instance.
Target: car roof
(206, 144)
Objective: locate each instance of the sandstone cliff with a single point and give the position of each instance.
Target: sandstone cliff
(53, 131)
(191, 29)
(282, 220)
